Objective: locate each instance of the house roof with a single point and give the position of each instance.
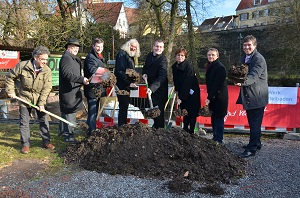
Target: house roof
(244, 4)
(105, 12)
(132, 15)
(217, 23)
(210, 21)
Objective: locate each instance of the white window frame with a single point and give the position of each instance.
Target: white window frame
(244, 16)
(257, 2)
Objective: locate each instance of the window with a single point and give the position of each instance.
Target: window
(271, 1)
(244, 16)
(255, 14)
(288, 10)
(206, 26)
(273, 12)
(220, 24)
(257, 2)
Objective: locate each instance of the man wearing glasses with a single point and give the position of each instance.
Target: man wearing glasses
(70, 81)
(34, 85)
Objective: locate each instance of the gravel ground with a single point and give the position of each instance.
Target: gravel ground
(273, 172)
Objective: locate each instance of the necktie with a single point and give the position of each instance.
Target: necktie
(247, 59)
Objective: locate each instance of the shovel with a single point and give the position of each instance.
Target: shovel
(47, 112)
(169, 97)
(169, 123)
(153, 112)
(104, 103)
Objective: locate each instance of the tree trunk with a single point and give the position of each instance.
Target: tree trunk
(191, 36)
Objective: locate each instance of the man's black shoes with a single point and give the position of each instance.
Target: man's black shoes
(246, 146)
(247, 153)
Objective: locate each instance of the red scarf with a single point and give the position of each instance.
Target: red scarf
(100, 56)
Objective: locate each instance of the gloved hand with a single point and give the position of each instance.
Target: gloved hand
(207, 102)
(149, 91)
(178, 101)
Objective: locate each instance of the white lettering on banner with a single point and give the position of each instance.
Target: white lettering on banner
(283, 95)
(241, 113)
(4, 62)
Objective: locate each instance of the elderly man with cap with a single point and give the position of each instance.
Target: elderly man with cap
(70, 81)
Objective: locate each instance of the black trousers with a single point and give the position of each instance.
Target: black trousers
(159, 122)
(189, 123)
(123, 107)
(255, 117)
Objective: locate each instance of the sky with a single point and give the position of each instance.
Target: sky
(226, 8)
(223, 8)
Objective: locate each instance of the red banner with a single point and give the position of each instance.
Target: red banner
(276, 115)
(9, 59)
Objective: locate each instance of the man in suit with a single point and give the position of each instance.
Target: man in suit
(156, 70)
(253, 93)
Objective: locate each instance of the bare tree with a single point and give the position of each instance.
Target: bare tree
(285, 32)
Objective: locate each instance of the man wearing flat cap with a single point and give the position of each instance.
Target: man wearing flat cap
(70, 81)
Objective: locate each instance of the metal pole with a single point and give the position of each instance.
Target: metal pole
(294, 129)
(240, 39)
(113, 45)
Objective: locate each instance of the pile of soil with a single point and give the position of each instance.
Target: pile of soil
(132, 75)
(157, 153)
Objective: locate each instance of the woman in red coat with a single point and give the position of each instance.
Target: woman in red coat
(187, 87)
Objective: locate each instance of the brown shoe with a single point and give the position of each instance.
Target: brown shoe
(25, 149)
(49, 146)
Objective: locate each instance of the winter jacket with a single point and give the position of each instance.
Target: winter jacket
(254, 91)
(156, 69)
(123, 62)
(70, 81)
(34, 88)
(91, 63)
(217, 90)
(187, 86)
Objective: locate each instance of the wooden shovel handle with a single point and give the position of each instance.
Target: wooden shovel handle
(47, 112)
(169, 97)
(105, 101)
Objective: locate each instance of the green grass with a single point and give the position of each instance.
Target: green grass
(10, 146)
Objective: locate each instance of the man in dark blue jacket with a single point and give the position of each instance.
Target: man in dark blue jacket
(253, 93)
(92, 62)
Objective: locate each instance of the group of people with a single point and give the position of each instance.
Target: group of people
(35, 83)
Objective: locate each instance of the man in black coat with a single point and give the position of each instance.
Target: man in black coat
(156, 70)
(217, 93)
(70, 81)
(92, 62)
(125, 59)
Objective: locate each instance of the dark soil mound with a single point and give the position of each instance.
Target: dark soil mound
(148, 153)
